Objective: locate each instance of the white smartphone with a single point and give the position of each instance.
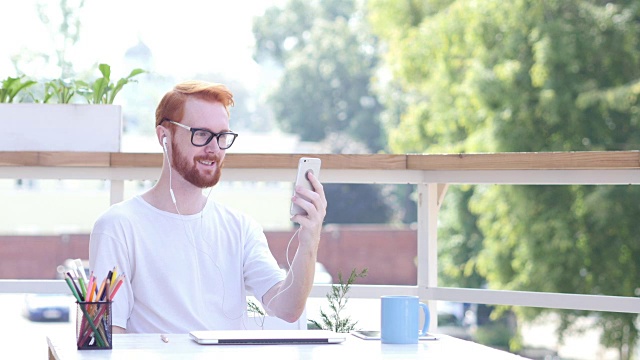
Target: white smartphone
(305, 165)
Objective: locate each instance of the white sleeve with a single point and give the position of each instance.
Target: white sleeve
(261, 271)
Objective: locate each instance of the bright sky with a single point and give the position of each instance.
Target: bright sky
(185, 37)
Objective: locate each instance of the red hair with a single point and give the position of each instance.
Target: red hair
(172, 104)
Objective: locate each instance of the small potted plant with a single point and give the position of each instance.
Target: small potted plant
(42, 125)
(334, 320)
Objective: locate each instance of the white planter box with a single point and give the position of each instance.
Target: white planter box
(60, 127)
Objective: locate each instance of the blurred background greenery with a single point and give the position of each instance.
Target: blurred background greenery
(411, 76)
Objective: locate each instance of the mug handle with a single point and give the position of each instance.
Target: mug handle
(427, 319)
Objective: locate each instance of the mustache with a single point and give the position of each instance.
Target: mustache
(212, 158)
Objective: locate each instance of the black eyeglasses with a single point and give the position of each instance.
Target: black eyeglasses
(202, 137)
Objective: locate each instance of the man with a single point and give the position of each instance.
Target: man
(189, 262)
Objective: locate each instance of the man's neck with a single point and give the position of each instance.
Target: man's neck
(189, 199)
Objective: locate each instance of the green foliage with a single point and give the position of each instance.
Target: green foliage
(460, 239)
(515, 76)
(102, 90)
(256, 310)
(620, 333)
(329, 57)
(59, 89)
(252, 307)
(497, 334)
(337, 299)
(11, 87)
(62, 18)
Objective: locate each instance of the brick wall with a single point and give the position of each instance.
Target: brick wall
(388, 253)
(36, 257)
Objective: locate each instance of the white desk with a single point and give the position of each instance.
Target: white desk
(150, 346)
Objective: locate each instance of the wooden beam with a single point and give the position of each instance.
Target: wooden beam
(136, 160)
(329, 161)
(73, 159)
(18, 158)
(596, 160)
(527, 161)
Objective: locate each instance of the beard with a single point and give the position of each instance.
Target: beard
(189, 171)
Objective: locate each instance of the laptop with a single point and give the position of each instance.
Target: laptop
(262, 337)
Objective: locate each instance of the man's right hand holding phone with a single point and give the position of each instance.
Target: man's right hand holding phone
(299, 280)
(316, 209)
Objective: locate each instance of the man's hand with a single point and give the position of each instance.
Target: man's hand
(316, 208)
(288, 298)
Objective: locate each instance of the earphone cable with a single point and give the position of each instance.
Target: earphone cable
(290, 270)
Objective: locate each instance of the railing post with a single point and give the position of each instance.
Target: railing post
(116, 191)
(428, 245)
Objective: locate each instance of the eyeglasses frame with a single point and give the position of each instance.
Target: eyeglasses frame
(213, 135)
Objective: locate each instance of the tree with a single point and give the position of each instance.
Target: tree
(328, 62)
(328, 57)
(64, 28)
(528, 75)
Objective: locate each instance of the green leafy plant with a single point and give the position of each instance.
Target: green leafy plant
(337, 302)
(62, 90)
(256, 310)
(102, 90)
(252, 307)
(12, 87)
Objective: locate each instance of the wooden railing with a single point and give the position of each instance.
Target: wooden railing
(431, 173)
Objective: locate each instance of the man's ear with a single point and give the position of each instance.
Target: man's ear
(161, 133)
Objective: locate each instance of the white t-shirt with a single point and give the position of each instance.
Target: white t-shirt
(183, 272)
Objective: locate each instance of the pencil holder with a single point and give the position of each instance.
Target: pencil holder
(93, 325)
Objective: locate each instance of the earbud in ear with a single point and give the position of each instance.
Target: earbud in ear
(164, 143)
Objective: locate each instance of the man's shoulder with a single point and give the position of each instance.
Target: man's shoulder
(121, 211)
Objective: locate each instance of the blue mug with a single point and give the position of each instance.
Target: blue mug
(400, 318)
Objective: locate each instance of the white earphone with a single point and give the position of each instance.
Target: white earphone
(164, 146)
